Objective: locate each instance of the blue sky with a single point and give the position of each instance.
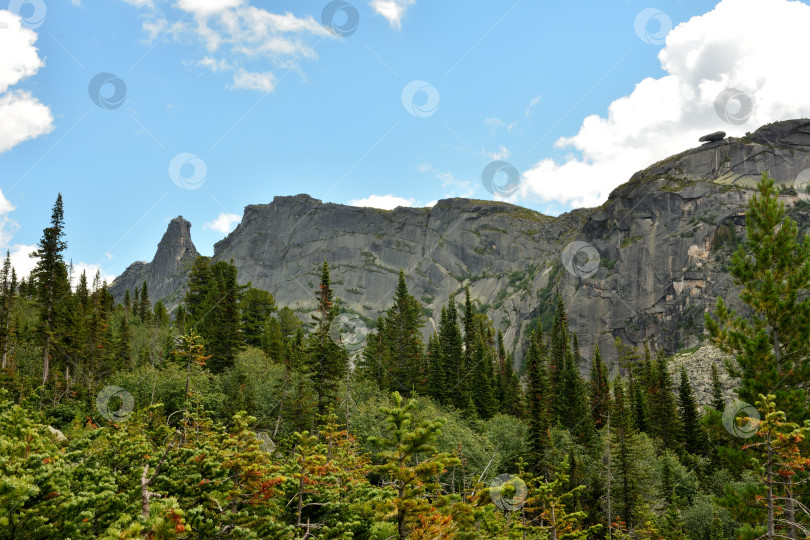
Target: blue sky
(266, 101)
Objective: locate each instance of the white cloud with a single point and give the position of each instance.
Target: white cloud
(386, 202)
(237, 37)
(246, 80)
(496, 123)
(392, 10)
(22, 116)
(740, 44)
(90, 270)
(500, 154)
(532, 103)
(21, 260)
(223, 223)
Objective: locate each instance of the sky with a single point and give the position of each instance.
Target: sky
(138, 111)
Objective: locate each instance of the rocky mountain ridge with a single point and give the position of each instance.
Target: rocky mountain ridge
(645, 265)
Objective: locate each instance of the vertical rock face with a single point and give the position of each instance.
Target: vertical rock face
(663, 242)
(166, 274)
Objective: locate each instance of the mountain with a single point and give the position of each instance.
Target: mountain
(645, 265)
(165, 276)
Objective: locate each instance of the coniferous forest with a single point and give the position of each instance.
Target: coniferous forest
(234, 417)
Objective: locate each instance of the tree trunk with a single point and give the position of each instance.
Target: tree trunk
(769, 476)
(790, 512)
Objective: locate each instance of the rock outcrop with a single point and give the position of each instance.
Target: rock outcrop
(165, 276)
(662, 242)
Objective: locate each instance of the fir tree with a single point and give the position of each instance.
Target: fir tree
(327, 361)
(538, 414)
(770, 347)
(256, 308)
(411, 477)
(52, 286)
(624, 456)
(692, 435)
(144, 304)
(600, 389)
(718, 403)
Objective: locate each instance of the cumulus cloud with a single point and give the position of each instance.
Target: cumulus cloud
(392, 10)
(740, 44)
(386, 202)
(223, 223)
(22, 116)
(238, 37)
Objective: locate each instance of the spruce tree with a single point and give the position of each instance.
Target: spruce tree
(256, 308)
(718, 403)
(558, 350)
(327, 361)
(160, 316)
(693, 437)
(452, 354)
(537, 405)
(395, 353)
(573, 410)
(8, 293)
(600, 389)
(770, 346)
(409, 459)
(51, 278)
(144, 304)
(664, 419)
(223, 331)
(624, 456)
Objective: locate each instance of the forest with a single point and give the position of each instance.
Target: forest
(234, 417)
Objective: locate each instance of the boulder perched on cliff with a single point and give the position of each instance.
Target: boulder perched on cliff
(713, 137)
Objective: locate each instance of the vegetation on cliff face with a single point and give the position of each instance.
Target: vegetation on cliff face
(235, 419)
